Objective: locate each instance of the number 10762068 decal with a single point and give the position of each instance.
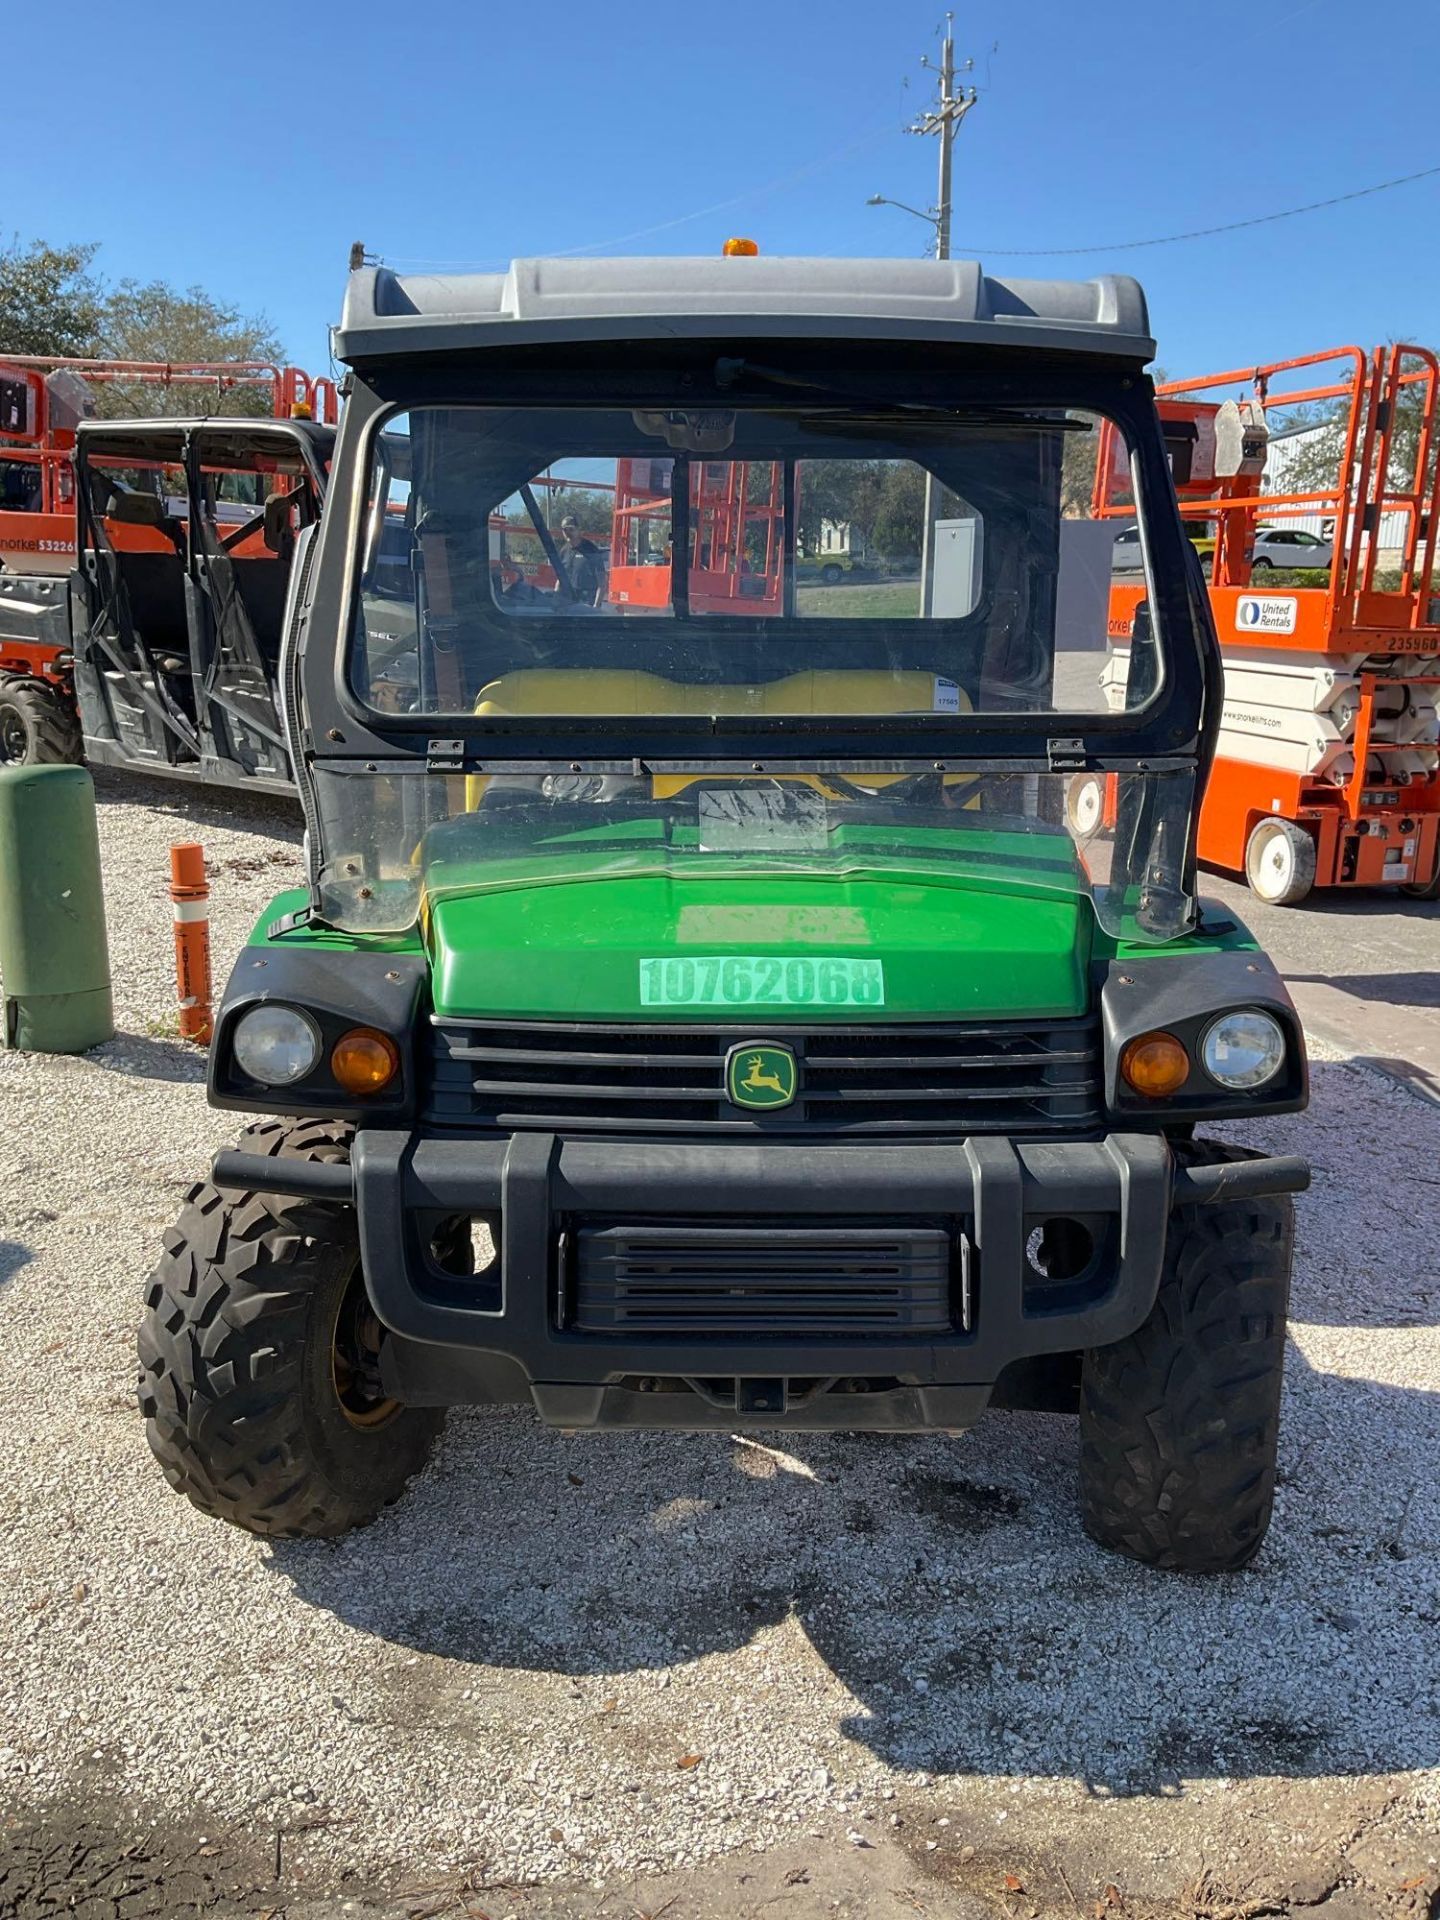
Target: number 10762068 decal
(760, 980)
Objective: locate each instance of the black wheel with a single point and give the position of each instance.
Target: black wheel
(38, 726)
(1179, 1424)
(1424, 889)
(259, 1359)
(1261, 564)
(1279, 862)
(832, 575)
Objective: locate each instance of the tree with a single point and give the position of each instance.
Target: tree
(49, 300)
(841, 493)
(898, 529)
(880, 501)
(1312, 463)
(1079, 451)
(593, 507)
(152, 320)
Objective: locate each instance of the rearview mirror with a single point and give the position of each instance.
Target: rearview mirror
(689, 430)
(278, 534)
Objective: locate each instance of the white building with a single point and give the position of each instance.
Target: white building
(1282, 457)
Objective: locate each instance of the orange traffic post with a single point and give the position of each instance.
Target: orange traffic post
(190, 893)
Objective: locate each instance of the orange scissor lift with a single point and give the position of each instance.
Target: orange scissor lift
(1328, 767)
(44, 397)
(736, 523)
(735, 517)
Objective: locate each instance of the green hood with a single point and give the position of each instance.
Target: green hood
(563, 945)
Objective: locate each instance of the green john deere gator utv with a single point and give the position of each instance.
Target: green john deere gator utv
(725, 997)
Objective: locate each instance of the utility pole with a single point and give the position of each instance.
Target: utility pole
(944, 118)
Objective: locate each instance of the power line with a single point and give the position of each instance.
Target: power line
(737, 200)
(681, 220)
(1204, 233)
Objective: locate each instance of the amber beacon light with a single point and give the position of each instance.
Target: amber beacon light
(736, 246)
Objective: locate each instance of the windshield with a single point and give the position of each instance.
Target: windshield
(708, 568)
(400, 840)
(542, 562)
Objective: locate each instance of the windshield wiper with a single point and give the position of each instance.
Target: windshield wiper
(729, 370)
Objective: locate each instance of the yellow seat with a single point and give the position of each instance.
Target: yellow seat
(627, 692)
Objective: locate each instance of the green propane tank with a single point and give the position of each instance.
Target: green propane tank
(54, 962)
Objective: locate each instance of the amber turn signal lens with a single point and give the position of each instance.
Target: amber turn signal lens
(364, 1061)
(1155, 1064)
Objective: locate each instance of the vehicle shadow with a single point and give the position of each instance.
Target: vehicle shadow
(272, 816)
(948, 1586)
(1343, 903)
(14, 1255)
(1395, 989)
(140, 1057)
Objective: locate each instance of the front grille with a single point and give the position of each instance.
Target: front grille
(1009, 1077)
(675, 1277)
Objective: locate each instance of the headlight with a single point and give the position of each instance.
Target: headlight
(1243, 1050)
(276, 1045)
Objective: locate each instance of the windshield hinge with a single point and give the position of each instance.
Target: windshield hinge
(1066, 756)
(444, 756)
(290, 923)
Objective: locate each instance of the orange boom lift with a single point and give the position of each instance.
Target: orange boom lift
(1328, 767)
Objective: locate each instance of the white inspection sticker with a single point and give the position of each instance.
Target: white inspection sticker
(947, 695)
(1266, 613)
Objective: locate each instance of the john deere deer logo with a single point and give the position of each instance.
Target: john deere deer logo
(760, 1075)
(757, 1080)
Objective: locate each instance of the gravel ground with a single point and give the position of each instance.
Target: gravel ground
(566, 1660)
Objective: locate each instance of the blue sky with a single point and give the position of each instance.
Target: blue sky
(247, 157)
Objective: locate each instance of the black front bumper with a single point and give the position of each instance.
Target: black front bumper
(512, 1337)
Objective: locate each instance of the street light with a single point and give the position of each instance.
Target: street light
(931, 219)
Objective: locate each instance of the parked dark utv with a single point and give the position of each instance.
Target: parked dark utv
(719, 1002)
(178, 606)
